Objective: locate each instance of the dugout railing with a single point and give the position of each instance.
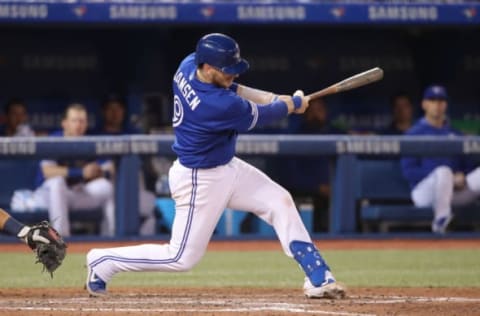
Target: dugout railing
(345, 216)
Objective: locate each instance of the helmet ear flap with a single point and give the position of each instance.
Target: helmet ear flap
(222, 52)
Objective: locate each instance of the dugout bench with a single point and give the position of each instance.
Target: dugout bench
(383, 199)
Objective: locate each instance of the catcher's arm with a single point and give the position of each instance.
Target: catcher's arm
(42, 238)
(11, 226)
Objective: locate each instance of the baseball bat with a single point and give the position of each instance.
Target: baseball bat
(352, 82)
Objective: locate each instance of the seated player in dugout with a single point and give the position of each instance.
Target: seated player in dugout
(439, 182)
(210, 111)
(74, 183)
(402, 114)
(309, 178)
(113, 121)
(16, 119)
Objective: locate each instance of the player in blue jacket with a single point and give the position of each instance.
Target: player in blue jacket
(210, 110)
(439, 182)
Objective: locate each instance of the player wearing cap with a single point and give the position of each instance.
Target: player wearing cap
(439, 182)
(209, 112)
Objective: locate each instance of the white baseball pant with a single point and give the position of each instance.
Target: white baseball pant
(201, 195)
(437, 190)
(58, 198)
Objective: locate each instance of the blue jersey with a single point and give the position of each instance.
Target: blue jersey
(208, 118)
(416, 168)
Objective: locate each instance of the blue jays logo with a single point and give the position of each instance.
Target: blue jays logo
(338, 12)
(470, 13)
(207, 12)
(177, 112)
(80, 10)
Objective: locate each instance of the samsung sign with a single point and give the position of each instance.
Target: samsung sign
(402, 13)
(23, 11)
(471, 147)
(368, 147)
(17, 148)
(257, 147)
(271, 13)
(143, 12)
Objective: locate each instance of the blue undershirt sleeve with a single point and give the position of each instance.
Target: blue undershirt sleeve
(271, 112)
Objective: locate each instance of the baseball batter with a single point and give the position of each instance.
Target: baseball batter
(209, 112)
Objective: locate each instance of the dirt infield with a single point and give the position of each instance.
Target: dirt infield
(248, 301)
(238, 301)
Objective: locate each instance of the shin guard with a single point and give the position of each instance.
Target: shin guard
(307, 255)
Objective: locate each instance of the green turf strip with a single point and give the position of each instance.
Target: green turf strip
(386, 268)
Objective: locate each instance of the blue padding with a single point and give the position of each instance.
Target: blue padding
(166, 207)
(263, 228)
(307, 218)
(396, 213)
(16, 174)
(266, 230)
(407, 213)
(307, 255)
(381, 179)
(230, 223)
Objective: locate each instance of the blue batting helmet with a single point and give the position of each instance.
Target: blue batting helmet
(222, 52)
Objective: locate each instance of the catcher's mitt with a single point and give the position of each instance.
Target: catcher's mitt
(47, 244)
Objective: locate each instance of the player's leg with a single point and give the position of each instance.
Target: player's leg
(95, 194)
(255, 192)
(471, 191)
(473, 180)
(436, 190)
(55, 194)
(200, 196)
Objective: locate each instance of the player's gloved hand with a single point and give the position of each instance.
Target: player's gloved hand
(300, 102)
(47, 244)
